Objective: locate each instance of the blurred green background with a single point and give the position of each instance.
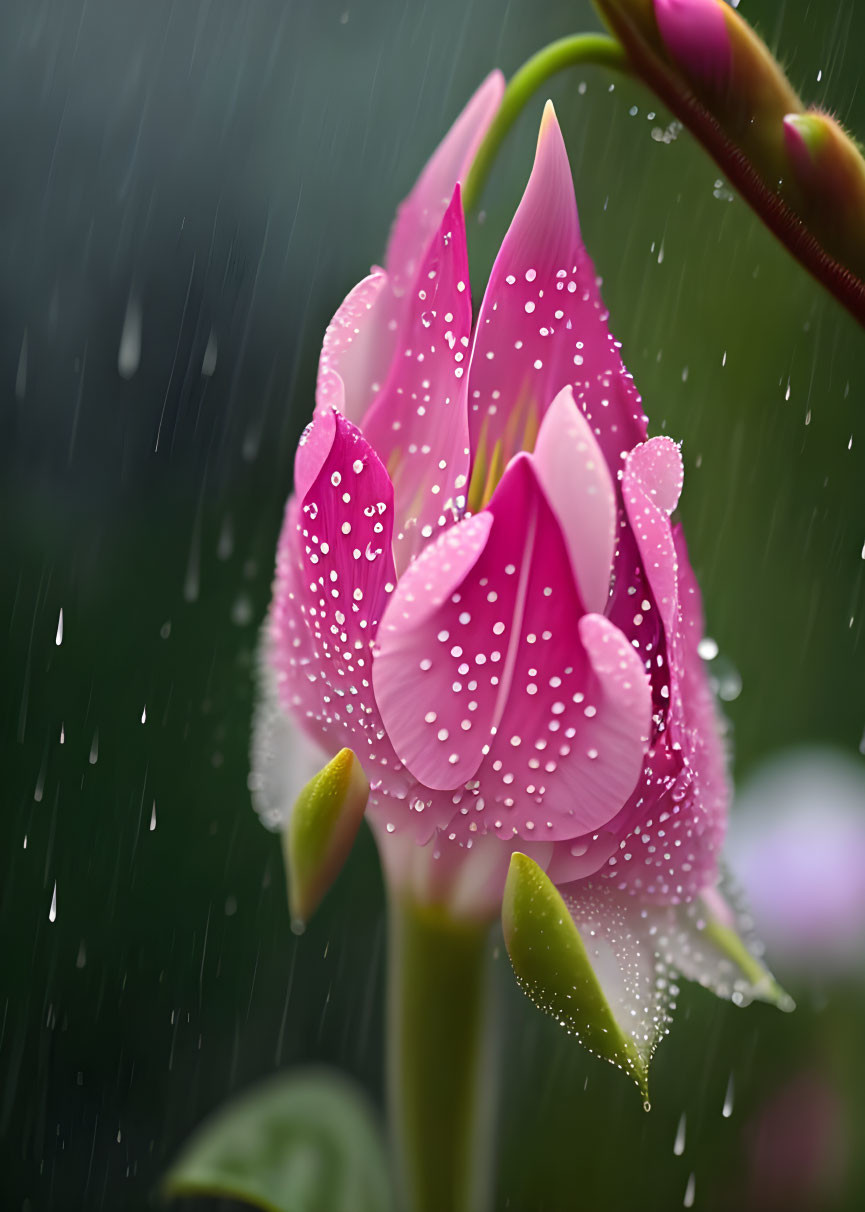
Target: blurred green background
(189, 191)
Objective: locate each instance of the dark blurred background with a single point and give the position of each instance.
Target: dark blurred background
(189, 189)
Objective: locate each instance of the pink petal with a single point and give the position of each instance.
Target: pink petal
(421, 212)
(358, 349)
(361, 340)
(542, 325)
(577, 484)
(651, 485)
(345, 525)
(415, 662)
(553, 723)
(577, 858)
(695, 34)
(418, 425)
(680, 811)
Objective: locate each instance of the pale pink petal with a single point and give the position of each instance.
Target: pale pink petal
(421, 212)
(577, 858)
(358, 348)
(282, 757)
(419, 425)
(418, 652)
(542, 325)
(577, 484)
(651, 485)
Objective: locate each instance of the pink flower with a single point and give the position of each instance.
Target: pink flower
(480, 590)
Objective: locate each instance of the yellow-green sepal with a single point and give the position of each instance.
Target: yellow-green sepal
(553, 968)
(321, 830)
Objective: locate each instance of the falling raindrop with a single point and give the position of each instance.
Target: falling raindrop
(58, 639)
(153, 817)
(129, 353)
(21, 373)
(94, 748)
(208, 362)
(679, 1143)
(81, 959)
(52, 912)
(225, 544)
(727, 1109)
(242, 610)
(144, 714)
(690, 1191)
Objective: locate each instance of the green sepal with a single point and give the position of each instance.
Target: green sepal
(301, 1142)
(553, 968)
(321, 831)
(759, 983)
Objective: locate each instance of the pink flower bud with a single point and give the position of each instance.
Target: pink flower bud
(481, 592)
(829, 170)
(695, 34)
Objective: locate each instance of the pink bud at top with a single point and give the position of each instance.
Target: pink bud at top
(829, 172)
(695, 34)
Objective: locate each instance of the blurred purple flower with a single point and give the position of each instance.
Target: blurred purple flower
(799, 848)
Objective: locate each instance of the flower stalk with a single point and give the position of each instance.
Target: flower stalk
(597, 50)
(440, 1086)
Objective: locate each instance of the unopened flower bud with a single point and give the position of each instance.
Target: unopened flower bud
(829, 171)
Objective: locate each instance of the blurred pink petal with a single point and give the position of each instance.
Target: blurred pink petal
(419, 425)
(421, 213)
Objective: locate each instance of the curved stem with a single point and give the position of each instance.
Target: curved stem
(596, 49)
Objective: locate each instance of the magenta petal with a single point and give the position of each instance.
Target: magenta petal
(672, 852)
(344, 527)
(543, 326)
(651, 485)
(421, 212)
(577, 484)
(357, 349)
(418, 425)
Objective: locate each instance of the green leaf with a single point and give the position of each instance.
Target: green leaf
(304, 1142)
(321, 831)
(553, 967)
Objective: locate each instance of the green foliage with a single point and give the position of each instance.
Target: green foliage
(302, 1142)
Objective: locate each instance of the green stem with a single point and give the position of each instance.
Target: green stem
(596, 49)
(438, 1042)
